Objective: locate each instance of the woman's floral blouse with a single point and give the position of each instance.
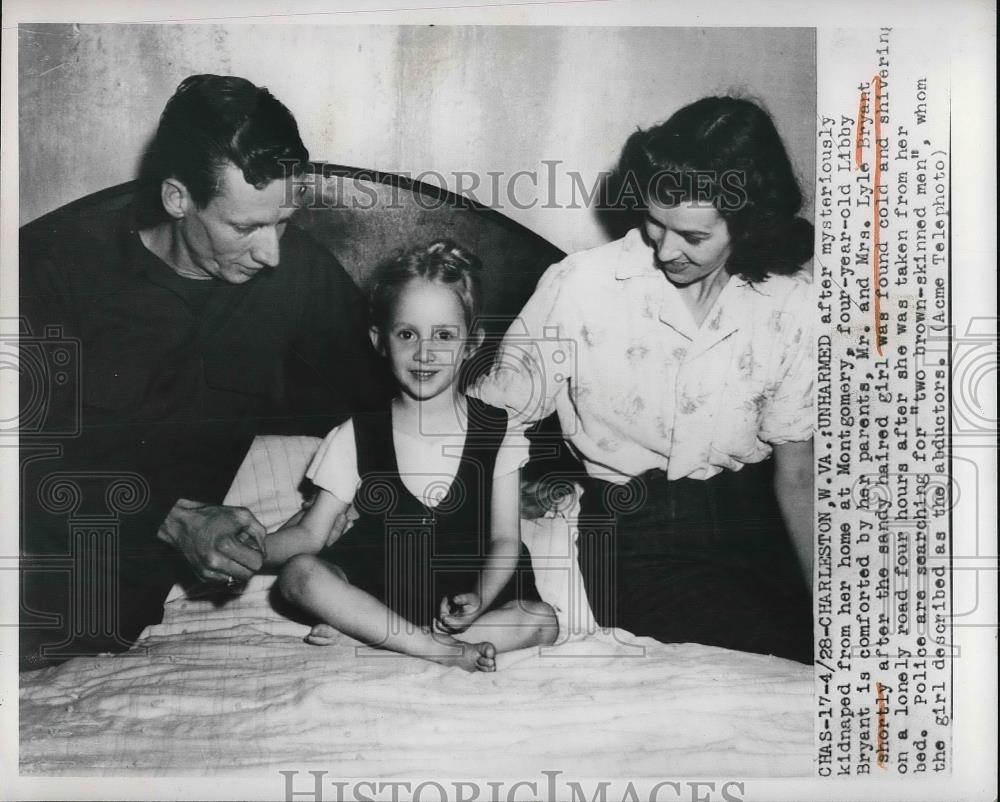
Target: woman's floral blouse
(609, 344)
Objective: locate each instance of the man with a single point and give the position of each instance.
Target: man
(203, 318)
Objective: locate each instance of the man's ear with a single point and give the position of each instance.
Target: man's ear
(376, 336)
(175, 198)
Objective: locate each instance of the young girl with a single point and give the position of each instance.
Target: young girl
(434, 566)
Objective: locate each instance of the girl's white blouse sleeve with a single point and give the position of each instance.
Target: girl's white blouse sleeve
(335, 466)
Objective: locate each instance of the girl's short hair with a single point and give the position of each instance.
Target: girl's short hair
(726, 151)
(442, 261)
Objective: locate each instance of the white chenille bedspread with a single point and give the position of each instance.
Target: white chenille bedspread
(229, 686)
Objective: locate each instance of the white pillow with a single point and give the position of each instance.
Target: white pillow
(269, 484)
(269, 480)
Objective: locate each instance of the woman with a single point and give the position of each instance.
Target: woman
(679, 361)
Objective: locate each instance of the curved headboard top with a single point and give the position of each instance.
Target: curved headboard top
(364, 216)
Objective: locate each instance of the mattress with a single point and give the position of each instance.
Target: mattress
(227, 685)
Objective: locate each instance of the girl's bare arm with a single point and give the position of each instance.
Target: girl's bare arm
(310, 534)
(505, 537)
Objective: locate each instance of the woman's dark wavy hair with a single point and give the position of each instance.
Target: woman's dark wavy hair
(215, 119)
(726, 151)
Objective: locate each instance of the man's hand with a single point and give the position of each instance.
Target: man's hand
(221, 543)
(458, 613)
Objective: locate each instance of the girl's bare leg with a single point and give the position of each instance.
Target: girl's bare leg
(516, 625)
(321, 590)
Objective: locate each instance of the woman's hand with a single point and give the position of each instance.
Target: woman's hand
(296, 519)
(546, 498)
(458, 613)
(344, 522)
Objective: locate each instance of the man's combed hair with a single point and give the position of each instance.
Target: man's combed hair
(212, 120)
(726, 151)
(444, 262)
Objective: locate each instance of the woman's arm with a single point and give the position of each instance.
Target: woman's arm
(531, 366)
(793, 485)
(310, 534)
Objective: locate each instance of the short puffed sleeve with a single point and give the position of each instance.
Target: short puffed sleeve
(335, 466)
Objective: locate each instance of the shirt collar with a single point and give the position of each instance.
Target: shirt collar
(727, 315)
(732, 311)
(636, 258)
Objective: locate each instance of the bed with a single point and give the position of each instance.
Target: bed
(226, 684)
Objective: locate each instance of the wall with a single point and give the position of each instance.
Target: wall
(414, 99)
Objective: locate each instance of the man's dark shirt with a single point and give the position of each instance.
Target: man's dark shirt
(177, 375)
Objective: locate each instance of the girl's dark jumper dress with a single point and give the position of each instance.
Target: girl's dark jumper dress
(408, 555)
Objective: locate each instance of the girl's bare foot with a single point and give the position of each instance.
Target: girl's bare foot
(477, 656)
(323, 635)
(468, 656)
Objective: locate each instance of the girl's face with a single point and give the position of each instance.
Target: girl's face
(426, 341)
(690, 241)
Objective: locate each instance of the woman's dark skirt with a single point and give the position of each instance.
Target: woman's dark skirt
(700, 561)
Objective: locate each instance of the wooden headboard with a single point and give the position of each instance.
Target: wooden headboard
(364, 216)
